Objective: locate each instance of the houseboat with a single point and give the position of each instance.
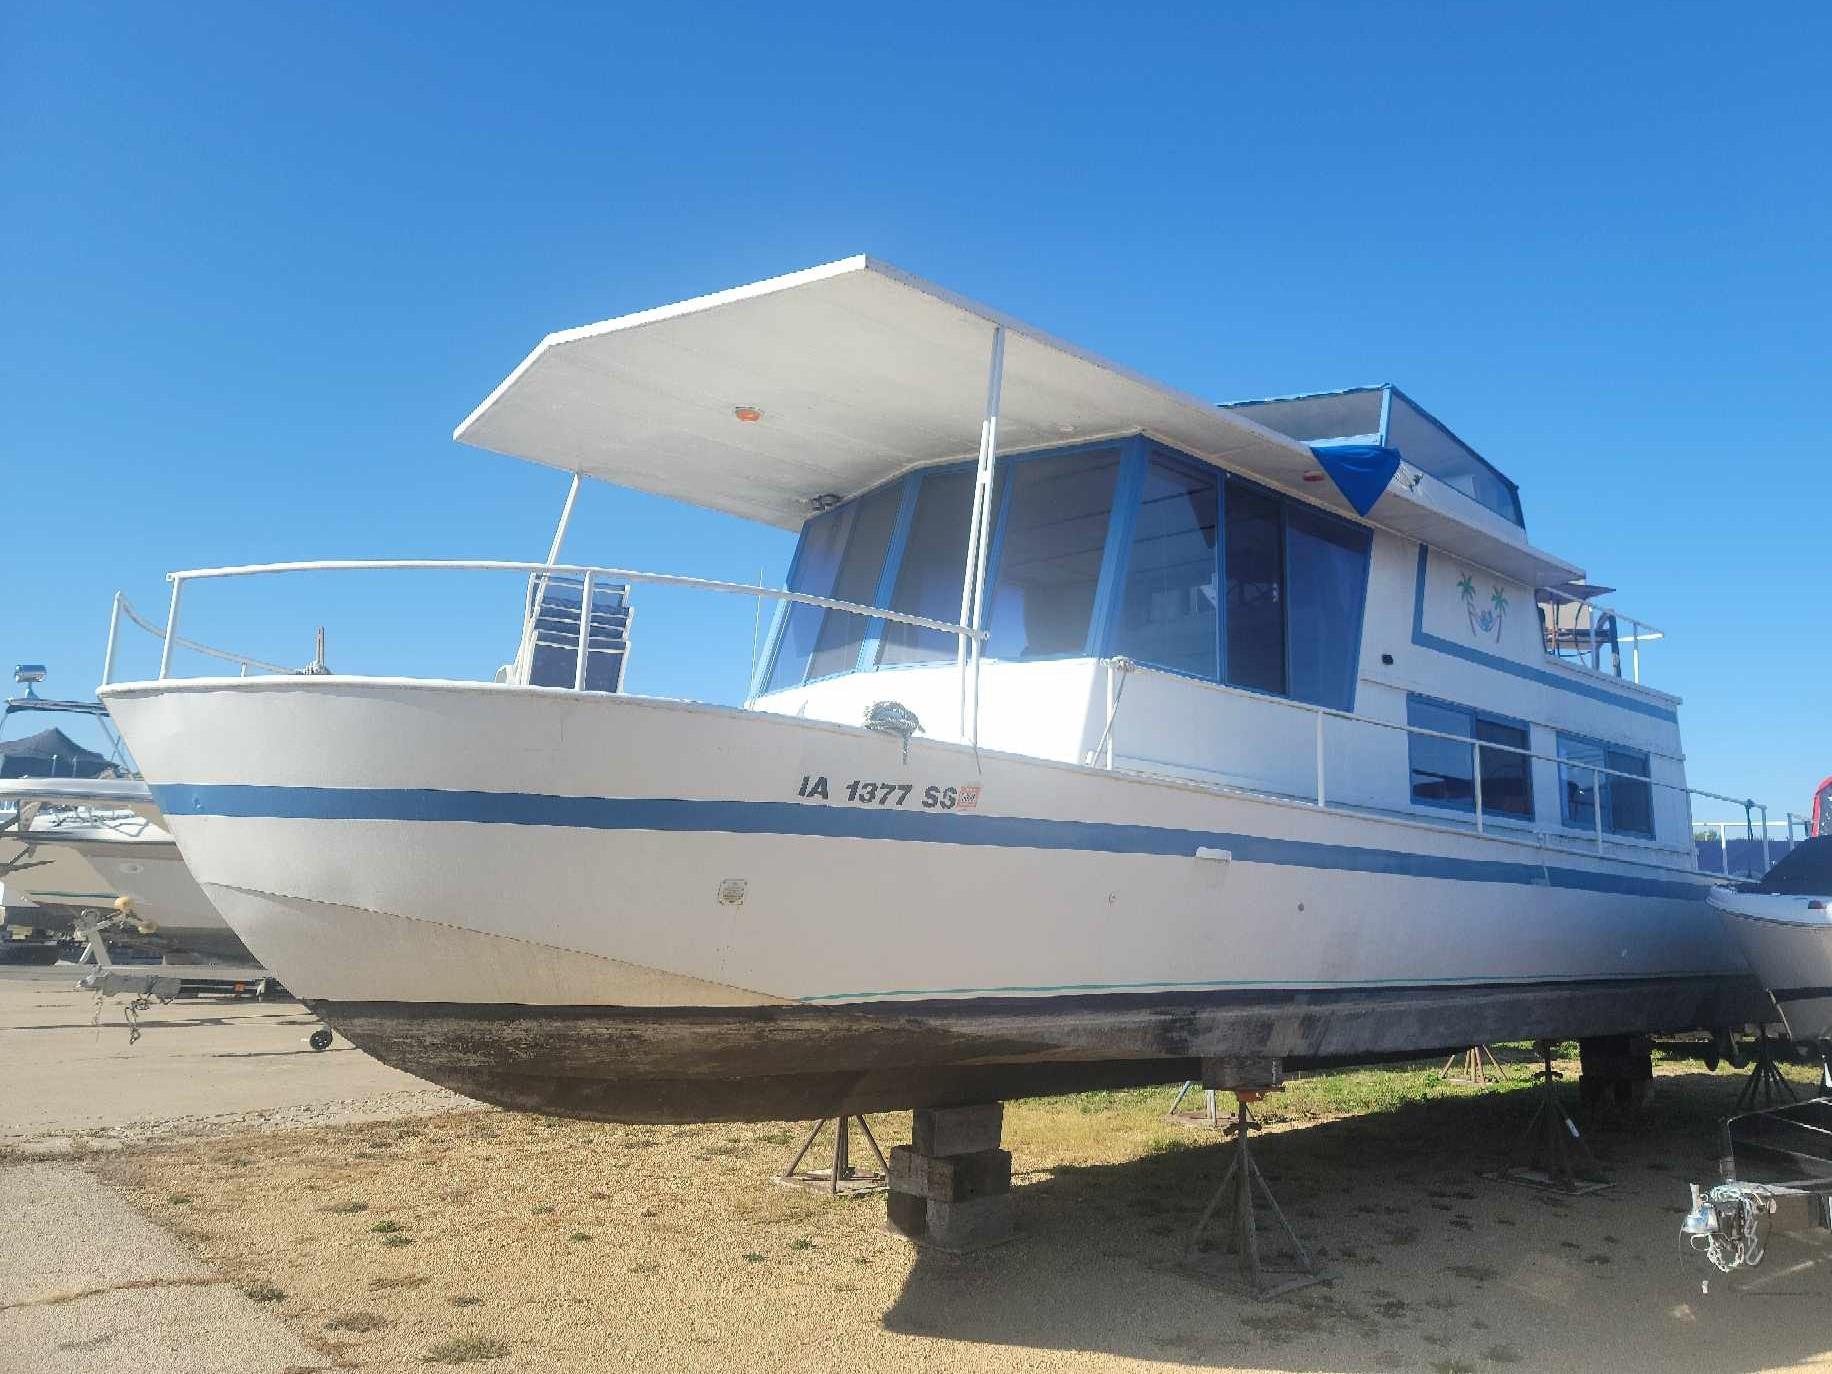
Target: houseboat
(1101, 729)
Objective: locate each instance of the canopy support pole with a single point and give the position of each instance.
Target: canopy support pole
(559, 533)
(973, 577)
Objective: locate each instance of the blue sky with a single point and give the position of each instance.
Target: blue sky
(258, 260)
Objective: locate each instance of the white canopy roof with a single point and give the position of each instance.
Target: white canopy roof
(861, 371)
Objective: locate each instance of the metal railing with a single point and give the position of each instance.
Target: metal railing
(123, 610)
(1119, 668)
(590, 577)
(1720, 831)
(1586, 634)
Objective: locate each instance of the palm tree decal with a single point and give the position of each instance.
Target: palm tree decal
(1487, 621)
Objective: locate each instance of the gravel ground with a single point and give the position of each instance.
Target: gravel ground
(531, 1244)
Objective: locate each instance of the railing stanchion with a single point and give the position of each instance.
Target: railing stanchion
(1724, 846)
(1766, 864)
(1475, 757)
(1319, 719)
(1596, 803)
(114, 631)
(585, 633)
(171, 626)
(1635, 649)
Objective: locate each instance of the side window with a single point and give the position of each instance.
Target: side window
(1328, 561)
(1627, 802)
(1054, 529)
(930, 571)
(1443, 770)
(1254, 550)
(1167, 606)
(836, 642)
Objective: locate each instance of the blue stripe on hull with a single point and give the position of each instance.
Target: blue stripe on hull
(861, 823)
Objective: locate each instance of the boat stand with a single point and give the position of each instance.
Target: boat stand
(1478, 1063)
(1236, 1200)
(841, 1176)
(1556, 1155)
(1206, 1117)
(1765, 1086)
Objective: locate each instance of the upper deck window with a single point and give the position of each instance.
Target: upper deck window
(841, 557)
(1047, 554)
(929, 570)
(1168, 610)
(1205, 574)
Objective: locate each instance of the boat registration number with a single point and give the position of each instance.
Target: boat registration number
(874, 792)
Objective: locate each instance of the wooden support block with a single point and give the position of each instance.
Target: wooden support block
(941, 1131)
(908, 1214)
(970, 1225)
(951, 1178)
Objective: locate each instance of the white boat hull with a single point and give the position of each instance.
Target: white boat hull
(654, 910)
(1788, 940)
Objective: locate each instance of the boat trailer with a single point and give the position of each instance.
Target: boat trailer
(1731, 1223)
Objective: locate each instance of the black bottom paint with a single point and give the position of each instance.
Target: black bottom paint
(799, 1062)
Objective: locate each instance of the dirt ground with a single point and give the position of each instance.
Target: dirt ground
(532, 1244)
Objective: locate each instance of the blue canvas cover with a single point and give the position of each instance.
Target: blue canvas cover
(1360, 471)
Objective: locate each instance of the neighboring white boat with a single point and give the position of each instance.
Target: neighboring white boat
(1784, 925)
(1157, 730)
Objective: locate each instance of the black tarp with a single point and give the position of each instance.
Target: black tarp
(50, 754)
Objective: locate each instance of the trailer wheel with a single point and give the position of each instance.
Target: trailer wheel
(321, 1038)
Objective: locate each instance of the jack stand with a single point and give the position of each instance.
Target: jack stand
(1765, 1087)
(1478, 1061)
(841, 1177)
(1557, 1157)
(1237, 1188)
(1204, 1118)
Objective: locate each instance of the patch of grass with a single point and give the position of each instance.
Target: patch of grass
(577, 1236)
(264, 1292)
(542, 1211)
(385, 1227)
(801, 1243)
(348, 1209)
(646, 1267)
(752, 1257)
(179, 1200)
(357, 1321)
(1502, 1354)
(467, 1300)
(465, 1350)
(389, 1281)
(397, 1240)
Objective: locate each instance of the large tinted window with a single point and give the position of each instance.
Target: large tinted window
(1443, 770)
(1628, 803)
(1049, 557)
(836, 643)
(1167, 613)
(1328, 562)
(929, 576)
(1255, 555)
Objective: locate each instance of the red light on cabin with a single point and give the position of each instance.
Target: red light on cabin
(748, 414)
(1313, 477)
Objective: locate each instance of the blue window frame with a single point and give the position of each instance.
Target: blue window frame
(1628, 803)
(841, 556)
(1443, 771)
